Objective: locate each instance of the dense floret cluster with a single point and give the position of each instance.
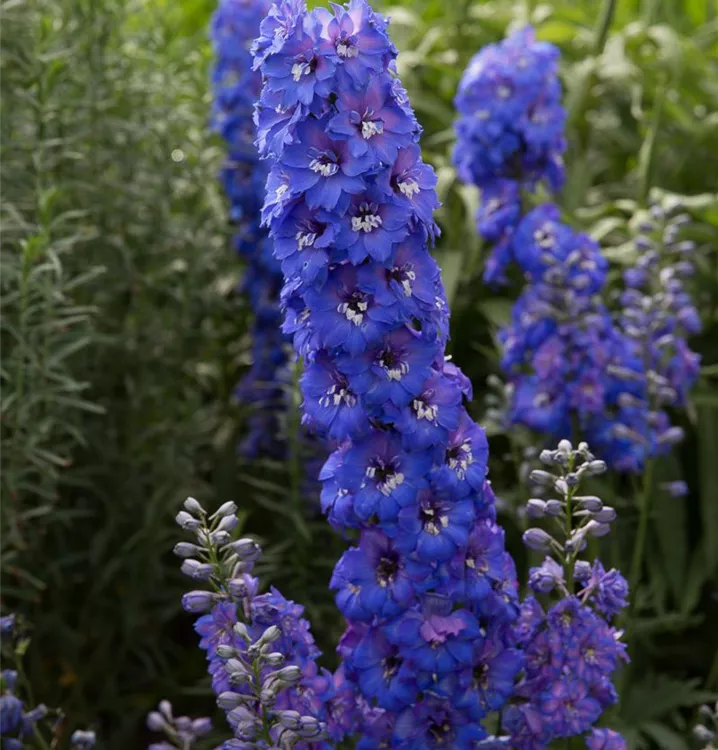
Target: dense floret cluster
(261, 653)
(236, 87)
(571, 650)
(509, 135)
(429, 591)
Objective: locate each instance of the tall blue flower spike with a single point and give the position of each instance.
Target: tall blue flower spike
(509, 135)
(429, 591)
(236, 87)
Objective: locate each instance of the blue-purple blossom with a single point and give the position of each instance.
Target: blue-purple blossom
(429, 591)
(236, 87)
(509, 135)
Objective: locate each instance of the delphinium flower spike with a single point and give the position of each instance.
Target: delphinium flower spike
(657, 317)
(509, 135)
(429, 591)
(262, 657)
(571, 649)
(561, 339)
(236, 86)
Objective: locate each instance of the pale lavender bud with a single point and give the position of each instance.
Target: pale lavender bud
(201, 726)
(606, 515)
(226, 509)
(311, 727)
(225, 651)
(288, 675)
(155, 721)
(219, 538)
(228, 700)
(596, 467)
(271, 634)
(186, 549)
(183, 723)
(546, 457)
(671, 436)
(246, 549)
(275, 659)
(573, 479)
(166, 709)
(289, 719)
(597, 529)
(554, 507)
(240, 630)
(565, 446)
(228, 523)
(677, 488)
(538, 476)
(197, 570)
(193, 506)
(83, 739)
(187, 522)
(198, 601)
(535, 508)
(590, 503)
(537, 539)
(561, 486)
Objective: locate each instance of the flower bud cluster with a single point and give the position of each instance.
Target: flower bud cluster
(658, 368)
(181, 731)
(17, 724)
(706, 731)
(509, 135)
(236, 86)
(261, 654)
(429, 591)
(570, 647)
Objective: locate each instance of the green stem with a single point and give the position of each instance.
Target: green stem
(605, 18)
(639, 549)
(568, 560)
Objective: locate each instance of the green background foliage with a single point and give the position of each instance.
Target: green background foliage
(122, 337)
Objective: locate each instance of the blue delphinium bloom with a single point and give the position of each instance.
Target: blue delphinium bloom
(509, 134)
(429, 591)
(561, 340)
(571, 650)
(658, 368)
(236, 87)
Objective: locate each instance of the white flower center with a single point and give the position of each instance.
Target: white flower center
(425, 411)
(366, 222)
(299, 70)
(409, 188)
(344, 49)
(461, 462)
(354, 312)
(325, 169)
(305, 239)
(336, 395)
(371, 128)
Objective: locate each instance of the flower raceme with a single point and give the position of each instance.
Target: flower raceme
(509, 135)
(429, 591)
(236, 87)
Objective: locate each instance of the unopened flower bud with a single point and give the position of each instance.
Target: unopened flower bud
(271, 634)
(547, 457)
(228, 700)
(219, 538)
(186, 549)
(671, 436)
(590, 503)
(565, 446)
(537, 539)
(246, 549)
(240, 630)
(226, 509)
(597, 529)
(155, 721)
(237, 588)
(193, 506)
(187, 522)
(225, 651)
(288, 675)
(83, 739)
(606, 515)
(228, 523)
(201, 726)
(596, 467)
(198, 601)
(197, 570)
(536, 508)
(545, 478)
(554, 507)
(275, 659)
(582, 571)
(166, 709)
(289, 719)
(310, 728)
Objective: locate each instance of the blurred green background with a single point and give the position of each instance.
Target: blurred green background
(122, 337)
